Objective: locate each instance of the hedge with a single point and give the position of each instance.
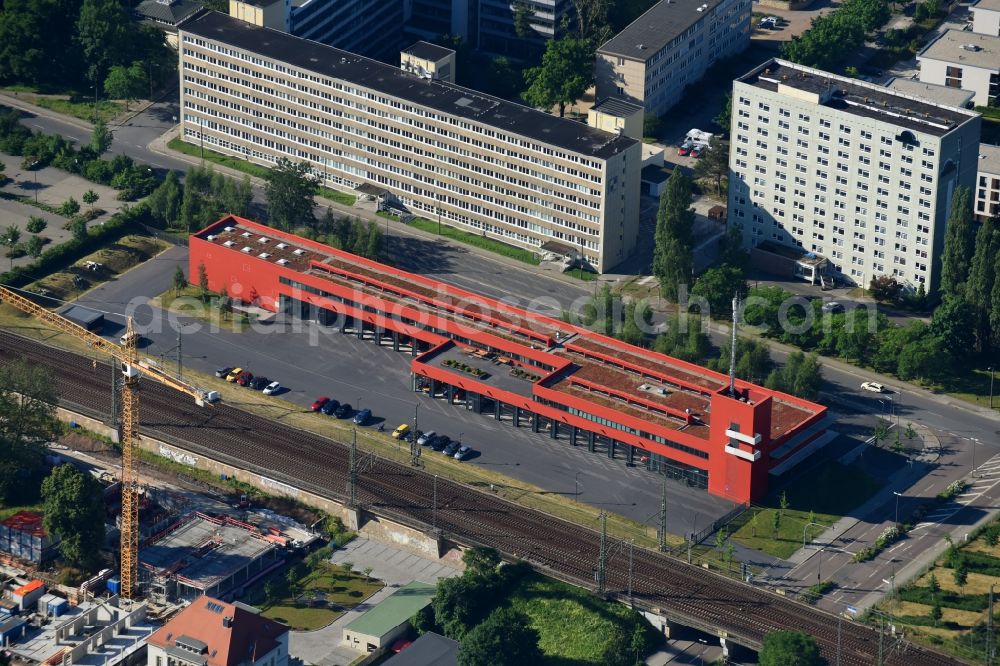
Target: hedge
(923, 595)
(64, 254)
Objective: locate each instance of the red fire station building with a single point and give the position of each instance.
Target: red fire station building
(677, 418)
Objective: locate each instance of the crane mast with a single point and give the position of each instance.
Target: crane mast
(126, 355)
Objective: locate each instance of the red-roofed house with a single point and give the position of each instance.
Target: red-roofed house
(210, 632)
(23, 536)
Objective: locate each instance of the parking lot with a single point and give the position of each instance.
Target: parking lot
(319, 361)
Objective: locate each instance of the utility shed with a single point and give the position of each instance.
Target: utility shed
(388, 620)
(92, 320)
(429, 650)
(12, 630)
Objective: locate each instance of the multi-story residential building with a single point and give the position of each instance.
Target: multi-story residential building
(961, 59)
(988, 182)
(846, 170)
(669, 47)
(479, 163)
(547, 19)
(986, 17)
(430, 19)
(371, 28)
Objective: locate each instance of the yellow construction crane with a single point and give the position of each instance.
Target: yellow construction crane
(132, 369)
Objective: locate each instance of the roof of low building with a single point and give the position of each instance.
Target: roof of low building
(965, 48)
(991, 5)
(932, 92)
(394, 610)
(427, 51)
(248, 636)
(437, 95)
(429, 650)
(989, 159)
(29, 587)
(26, 521)
(618, 107)
(667, 19)
(171, 13)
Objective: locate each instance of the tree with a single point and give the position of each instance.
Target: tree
(880, 432)
(592, 18)
(958, 244)
(672, 249)
(104, 33)
(70, 207)
(953, 322)
(78, 227)
(367, 572)
(783, 501)
(714, 163)
(11, 240)
(523, 14)
(936, 612)
(505, 638)
(101, 138)
(375, 243)
(961, 573)
(36, 225)
(165, 201)
(933, 585)
(885, 288)
(124, 82)
(718, 286)
(90, 197)
(563, 77)
(289, 192)
(179, 280)
(801, 376)
(776, 523)
(481, 561)
(725, 117)
(270, 590)
(27, 421)
(789, 648)
(731, 251)
(979, 289)
(202, 279)
(73, 508)
(33, 246)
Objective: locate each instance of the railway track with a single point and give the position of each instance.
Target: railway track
(569, 551)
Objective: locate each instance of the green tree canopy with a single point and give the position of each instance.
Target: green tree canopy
(100, 138)
(958, 244)
(104, 32)
(713, 164)
(953, 322)
(27, 421)
(125, 82)
(982, 279)
(789, 648)
(801, 375)
(672, 243)
(73, 507)
(481, 560)
(289, 192)
(719, 285)
(567, 70)
(505, 638)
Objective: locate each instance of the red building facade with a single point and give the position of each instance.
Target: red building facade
(676, 417)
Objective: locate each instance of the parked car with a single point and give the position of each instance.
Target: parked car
(259, 383)
(245, 378)
(452, 448)
(234, 374)
(426, 438)
(272, 388)
(412, 435)
(833, 306)
(361, 418)
(696, 151)
(874, 387)
(343, 411)
(222, 373)
(463, 453)
(330, 407)
(440, 442)
(400, 431)
(318, 403)
(685, 148)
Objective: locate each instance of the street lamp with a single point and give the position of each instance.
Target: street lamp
(898, 495)
(991, 386)
(576, 480)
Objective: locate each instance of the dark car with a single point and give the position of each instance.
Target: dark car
(245, 378)
(318, 403)
(361, 418)
(222, 373)
(413, 435)
(452, 448)
(343, 411)
(330, 407)
(440, 442)
(463, 453)
(258, 383)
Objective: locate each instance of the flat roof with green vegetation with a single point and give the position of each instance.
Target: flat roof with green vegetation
(393, 611)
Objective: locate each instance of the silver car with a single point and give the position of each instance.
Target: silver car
(426, 438)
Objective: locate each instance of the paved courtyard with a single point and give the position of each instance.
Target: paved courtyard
(390, 564)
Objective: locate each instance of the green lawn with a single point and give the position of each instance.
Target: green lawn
(527, 256)
(67, 102)
(573, 624)
(340, 591)
(581, 274)
(830, 490)
(342, 198)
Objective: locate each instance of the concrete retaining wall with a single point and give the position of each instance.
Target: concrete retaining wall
(375, 527)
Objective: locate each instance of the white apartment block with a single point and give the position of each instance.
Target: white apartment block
(966, 60)
(669, 47)
(851, 171)
(986, 17)
(482, 164)
(988, 182)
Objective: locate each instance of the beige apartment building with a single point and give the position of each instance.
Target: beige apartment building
(986, 17)
(988, 182)
(844, 174)
(669, 47)
(966, 60)
(476, 162)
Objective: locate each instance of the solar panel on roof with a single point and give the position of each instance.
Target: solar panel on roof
(214, 607)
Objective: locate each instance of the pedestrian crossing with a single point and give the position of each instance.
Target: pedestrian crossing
(984, 478)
